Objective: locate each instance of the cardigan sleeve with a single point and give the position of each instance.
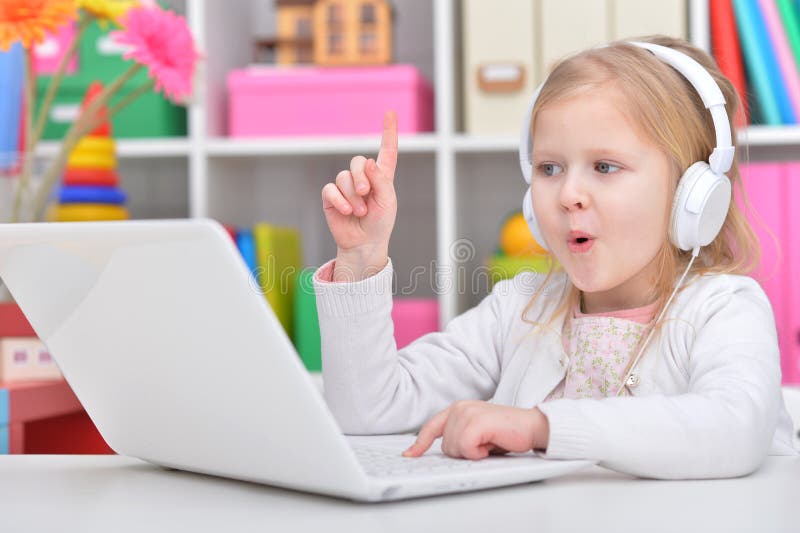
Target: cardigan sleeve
(373, 388)
(721, 427)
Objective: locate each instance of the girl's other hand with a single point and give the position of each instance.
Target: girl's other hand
(474, 429)
(360, 208)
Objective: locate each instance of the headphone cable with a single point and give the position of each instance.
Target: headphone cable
(628, 374)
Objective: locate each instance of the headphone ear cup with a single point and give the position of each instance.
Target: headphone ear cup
(530, 218)
(700, 206)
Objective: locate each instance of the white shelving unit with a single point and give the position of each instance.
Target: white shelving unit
(135, 148)
(453, 189)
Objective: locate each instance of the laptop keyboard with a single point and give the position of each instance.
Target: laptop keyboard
(386, 462)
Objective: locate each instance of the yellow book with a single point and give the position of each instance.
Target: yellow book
(278, 260)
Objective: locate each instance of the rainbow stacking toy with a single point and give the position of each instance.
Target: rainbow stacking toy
(89, 186)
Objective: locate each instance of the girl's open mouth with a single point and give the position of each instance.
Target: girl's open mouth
(580, 244)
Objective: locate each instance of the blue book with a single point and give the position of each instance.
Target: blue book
(5, 444)
(762, 64)
(11, 72)
(88, 194)
(247, 247)
(4, 407)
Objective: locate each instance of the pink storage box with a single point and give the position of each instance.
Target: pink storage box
(48, 54)
(413, 318)
(267, 101)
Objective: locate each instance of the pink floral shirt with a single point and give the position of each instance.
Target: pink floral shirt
(598, 348)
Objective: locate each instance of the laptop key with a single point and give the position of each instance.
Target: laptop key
(385, 462)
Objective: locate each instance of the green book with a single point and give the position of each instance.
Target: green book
(306, 322)
(790, 16)
(278, 261)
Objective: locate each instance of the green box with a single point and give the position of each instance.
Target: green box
(150, 115)
(100, 57)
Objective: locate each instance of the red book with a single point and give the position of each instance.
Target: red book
(727, 52)
(13, 323)
(231, 231)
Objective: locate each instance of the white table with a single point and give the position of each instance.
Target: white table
(119, 494)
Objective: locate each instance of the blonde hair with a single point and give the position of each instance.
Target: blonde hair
(670, 113)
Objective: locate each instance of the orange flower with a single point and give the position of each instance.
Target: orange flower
(28, 20)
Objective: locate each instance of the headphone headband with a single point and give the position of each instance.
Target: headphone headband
(721, 157)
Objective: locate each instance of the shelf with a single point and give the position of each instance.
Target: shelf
(261, 146)
(366, 144)
(770, 135)
(500, 143)
(753, 135)
(134, 148)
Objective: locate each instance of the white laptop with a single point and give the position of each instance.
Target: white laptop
(165, 338)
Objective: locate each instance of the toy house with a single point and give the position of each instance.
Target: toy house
(294, 44)
(333, 32)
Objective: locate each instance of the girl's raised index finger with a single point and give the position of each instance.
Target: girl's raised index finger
(387, 156)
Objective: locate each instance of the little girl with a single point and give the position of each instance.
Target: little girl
(615, 356)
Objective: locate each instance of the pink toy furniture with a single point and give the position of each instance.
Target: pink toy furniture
(41, 416)
(48, 54)
(771, 188)
(45, 417)
(26, 359)
(414, 317)
(269, 101)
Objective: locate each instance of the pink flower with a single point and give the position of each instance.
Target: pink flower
(161, 41)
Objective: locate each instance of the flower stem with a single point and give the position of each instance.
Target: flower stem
(142, 89)
(119, 106)
(78, 129)
(27, 151)
(55, 82)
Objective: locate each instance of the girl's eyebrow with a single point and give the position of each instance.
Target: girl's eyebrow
(612, 154)
(595, 153)
(544, 154)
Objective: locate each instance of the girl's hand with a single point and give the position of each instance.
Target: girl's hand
(361, 207)
(473, 430)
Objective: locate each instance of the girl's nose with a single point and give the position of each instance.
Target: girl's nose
(573, 194)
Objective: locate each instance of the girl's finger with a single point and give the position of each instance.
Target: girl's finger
(431, 431)
(497, 450)
(357, 166)
(466, 443)
(387, 156)
(381, 185)
(344, 180)
(332, 198)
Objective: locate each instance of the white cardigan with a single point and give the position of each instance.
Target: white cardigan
(707, 400)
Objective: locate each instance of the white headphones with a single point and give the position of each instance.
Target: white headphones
(704, 192)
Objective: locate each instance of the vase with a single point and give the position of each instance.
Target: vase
(5, 295)
(7, 188)
(10, 168)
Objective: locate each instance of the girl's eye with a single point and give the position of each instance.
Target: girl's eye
(606, 168)
(549, 169)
